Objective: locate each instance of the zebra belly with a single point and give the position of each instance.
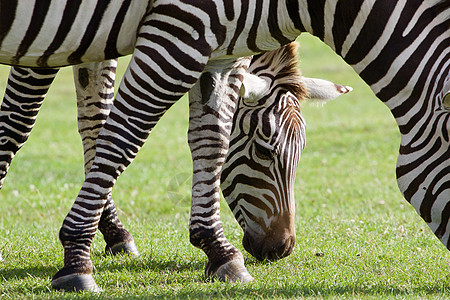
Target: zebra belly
(68, 32)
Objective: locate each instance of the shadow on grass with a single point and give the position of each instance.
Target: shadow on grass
(214, 290)
(142, 264)
(29, 271)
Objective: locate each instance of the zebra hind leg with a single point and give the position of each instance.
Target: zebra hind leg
(211, 105)
(94, 84)
(24, 95)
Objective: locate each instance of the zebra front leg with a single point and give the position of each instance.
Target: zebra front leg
(25, 91)
(211, 109)
(94, 84)
(144, 96)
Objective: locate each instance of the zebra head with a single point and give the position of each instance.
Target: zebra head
(267, 139)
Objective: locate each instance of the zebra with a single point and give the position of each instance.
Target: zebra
(279, 66)
(267, 138)
(400, 48)
(94, 85)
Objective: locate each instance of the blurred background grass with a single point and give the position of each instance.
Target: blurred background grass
(356, 235)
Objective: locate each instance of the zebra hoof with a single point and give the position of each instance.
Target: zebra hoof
(123, 248)
(233, 271)
(76, 283)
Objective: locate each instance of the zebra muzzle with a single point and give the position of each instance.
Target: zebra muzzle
(271, 247)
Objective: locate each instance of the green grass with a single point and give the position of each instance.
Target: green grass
(356, 236)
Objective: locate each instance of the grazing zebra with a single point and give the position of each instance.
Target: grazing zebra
(94, 85)
(267, 138)
(400, 48)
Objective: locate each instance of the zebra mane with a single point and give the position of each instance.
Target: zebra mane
(281, 66)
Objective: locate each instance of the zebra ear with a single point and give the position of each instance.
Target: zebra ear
(320, 89)
(253, 87)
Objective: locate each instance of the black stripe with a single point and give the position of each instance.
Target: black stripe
(418, 89)
(430, 191)
(316, 11)
(396, 45)
(68, 18)
(229, 10)
(344, 18)
(413, 166)
(274, 29)
(177, 54)
(7, 16)
(371, 32)
(37, 19)
(239, 25)
(444, 218)
(294, 15)
(211, 9)
(183, 16)
(111, 43)
(89, 34)
(252, 34)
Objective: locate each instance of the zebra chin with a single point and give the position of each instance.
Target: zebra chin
(271, 243)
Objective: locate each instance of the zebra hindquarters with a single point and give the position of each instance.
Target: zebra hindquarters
(25, 92)
(211, 107)
(94, 85)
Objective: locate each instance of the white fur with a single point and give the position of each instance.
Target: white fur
(320, 89)
(253, 87)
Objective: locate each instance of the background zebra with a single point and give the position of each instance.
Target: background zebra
(25, 92)
(271, 96)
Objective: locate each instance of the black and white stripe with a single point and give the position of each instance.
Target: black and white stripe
(400, 48)
(60, 33)
(23, 97)
(266, 141)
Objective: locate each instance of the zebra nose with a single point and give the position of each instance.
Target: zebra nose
(271, 247)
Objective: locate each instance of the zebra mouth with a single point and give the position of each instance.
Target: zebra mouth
(269, 248)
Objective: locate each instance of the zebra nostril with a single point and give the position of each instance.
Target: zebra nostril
(280, 249)
(269, 248)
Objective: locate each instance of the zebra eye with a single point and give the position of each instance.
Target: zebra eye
(263, 151)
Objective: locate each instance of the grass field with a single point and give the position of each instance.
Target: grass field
(356, 236)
